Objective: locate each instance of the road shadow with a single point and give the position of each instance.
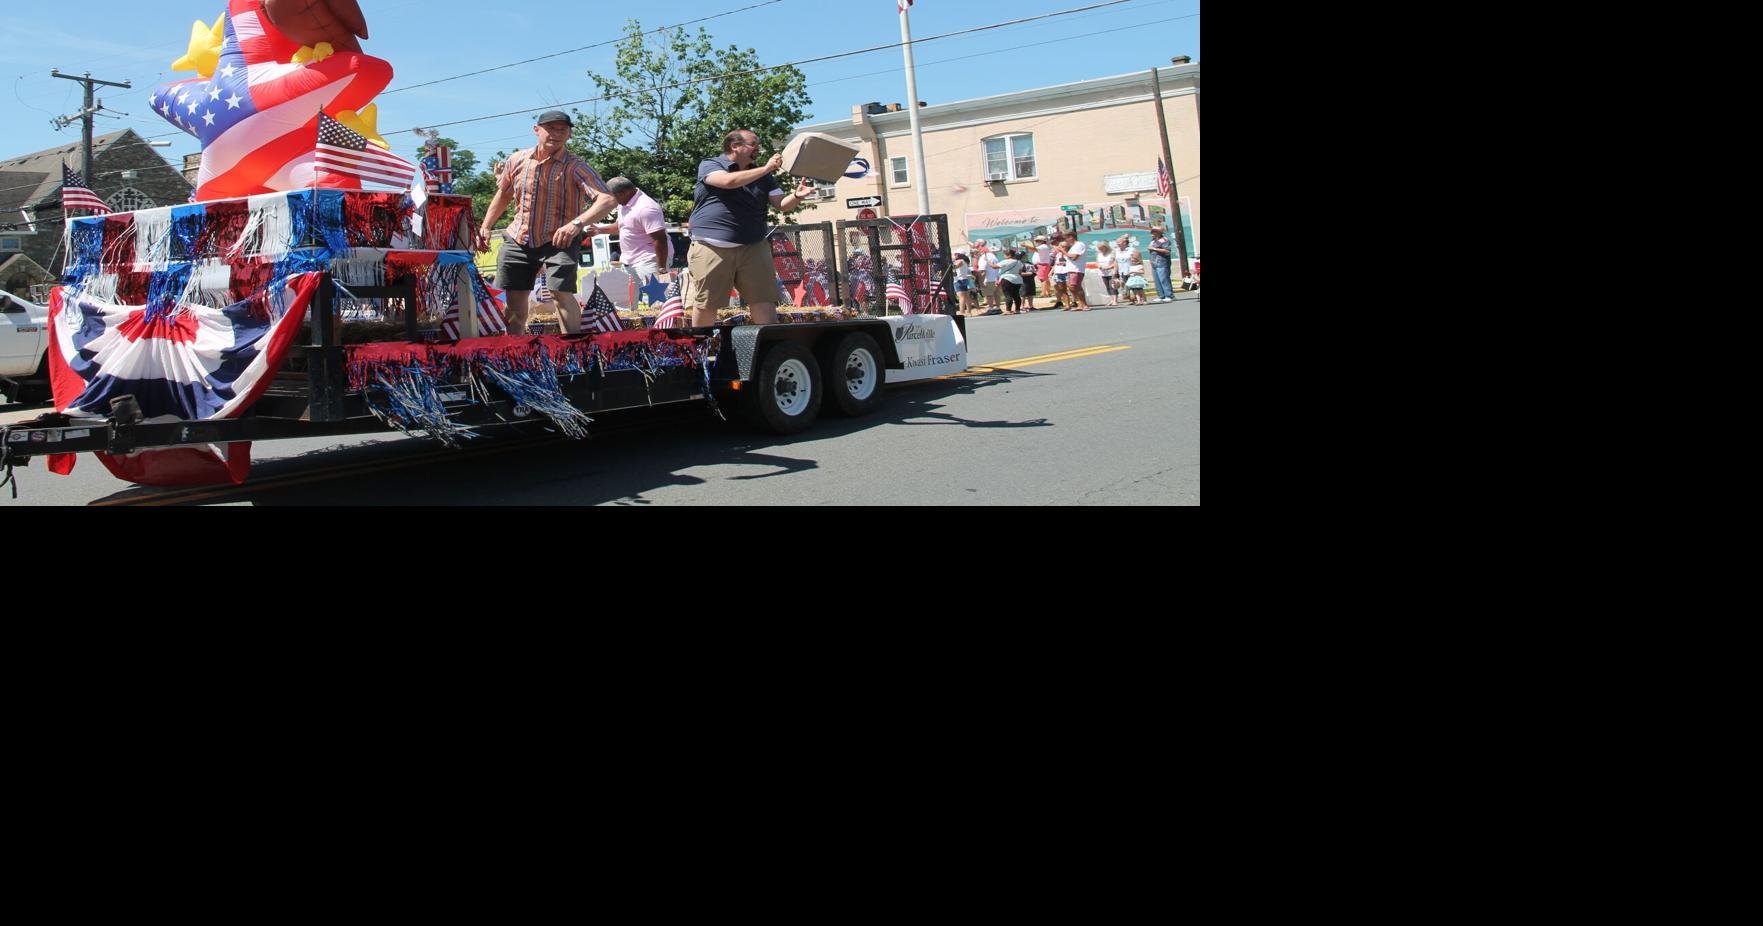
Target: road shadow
(627, 455)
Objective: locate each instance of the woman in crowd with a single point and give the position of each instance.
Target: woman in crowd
(1061, 270)
(963, 282)
(1108, 267)
(1078, 261)
(1010, 279)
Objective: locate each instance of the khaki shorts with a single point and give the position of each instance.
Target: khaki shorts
(715, 271)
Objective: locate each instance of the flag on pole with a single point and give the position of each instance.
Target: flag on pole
(898, 292)
(490, 320)
(1163, 187)
(599, 314)
(74, 194)
(673, 311)
(437, 167)
(903, 4)
(344, 152)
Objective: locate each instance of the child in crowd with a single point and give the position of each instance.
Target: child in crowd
(1135, 281)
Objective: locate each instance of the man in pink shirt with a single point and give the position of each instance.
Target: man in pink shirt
(643, 246)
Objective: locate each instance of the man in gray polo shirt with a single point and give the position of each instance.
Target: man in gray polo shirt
(729, 246)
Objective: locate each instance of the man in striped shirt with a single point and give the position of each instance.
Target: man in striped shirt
(549, 188)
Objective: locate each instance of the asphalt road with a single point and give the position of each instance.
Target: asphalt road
(1060, 408)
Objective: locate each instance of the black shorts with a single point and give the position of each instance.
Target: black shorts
(518, 265)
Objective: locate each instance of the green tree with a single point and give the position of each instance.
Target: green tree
(671, 102)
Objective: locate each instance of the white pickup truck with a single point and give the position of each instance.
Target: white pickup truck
(24, 349)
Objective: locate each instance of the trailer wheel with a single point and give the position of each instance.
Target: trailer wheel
(854, 374)
(786, 389)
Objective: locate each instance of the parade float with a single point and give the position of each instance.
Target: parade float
(287, 300)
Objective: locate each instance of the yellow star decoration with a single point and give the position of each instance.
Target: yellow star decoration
(204, 51)
(366, 122)
(317, 52)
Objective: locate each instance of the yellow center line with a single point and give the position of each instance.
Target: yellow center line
(1039, 359)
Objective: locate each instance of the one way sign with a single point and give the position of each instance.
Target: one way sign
(862, 201)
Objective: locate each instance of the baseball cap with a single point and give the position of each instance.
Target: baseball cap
(554, 115)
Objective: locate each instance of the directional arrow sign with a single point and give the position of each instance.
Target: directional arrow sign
(862, 201)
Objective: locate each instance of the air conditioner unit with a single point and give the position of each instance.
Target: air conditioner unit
(996, 176)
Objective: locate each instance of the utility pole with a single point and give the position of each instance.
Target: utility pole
(1181, 238)
(912, 107)
(85, 117)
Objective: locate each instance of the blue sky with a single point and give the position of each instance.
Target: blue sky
(427, 40)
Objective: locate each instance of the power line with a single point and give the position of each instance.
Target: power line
(727, 75)
(1003, 51)
(519, 137)
(503, 67)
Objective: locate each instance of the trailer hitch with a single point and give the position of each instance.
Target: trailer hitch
(125, 413)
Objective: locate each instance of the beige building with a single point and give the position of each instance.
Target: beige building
(1003, 167)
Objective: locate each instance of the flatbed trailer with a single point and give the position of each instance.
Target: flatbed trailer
(779, 377)
(271, 283)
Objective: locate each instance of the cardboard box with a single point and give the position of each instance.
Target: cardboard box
(818, 157)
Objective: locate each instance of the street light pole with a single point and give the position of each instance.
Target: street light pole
(1181, 238)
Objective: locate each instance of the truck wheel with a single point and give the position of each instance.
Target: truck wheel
(30, 393)
(854, 374)
(786, 389)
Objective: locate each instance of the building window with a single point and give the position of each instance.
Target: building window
(131, 199)
(897, 172)
(11, 244)
(822, 193)
(1011, 157)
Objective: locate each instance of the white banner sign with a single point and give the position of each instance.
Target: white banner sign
(1130, 183)
(928, 345)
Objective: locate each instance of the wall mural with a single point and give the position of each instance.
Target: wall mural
(1099, 222)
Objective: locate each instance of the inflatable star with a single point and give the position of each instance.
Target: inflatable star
(204, 51)
(365, 122)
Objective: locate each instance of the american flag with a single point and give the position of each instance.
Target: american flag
(1163, 187)
(673, 311)
(897, 291)
(489, 319)
(255, 116)
(74, 194)
(599, 314)
(438, 168)
(344, 152)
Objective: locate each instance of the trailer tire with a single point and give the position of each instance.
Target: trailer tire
(854, 374)
(786, 390)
